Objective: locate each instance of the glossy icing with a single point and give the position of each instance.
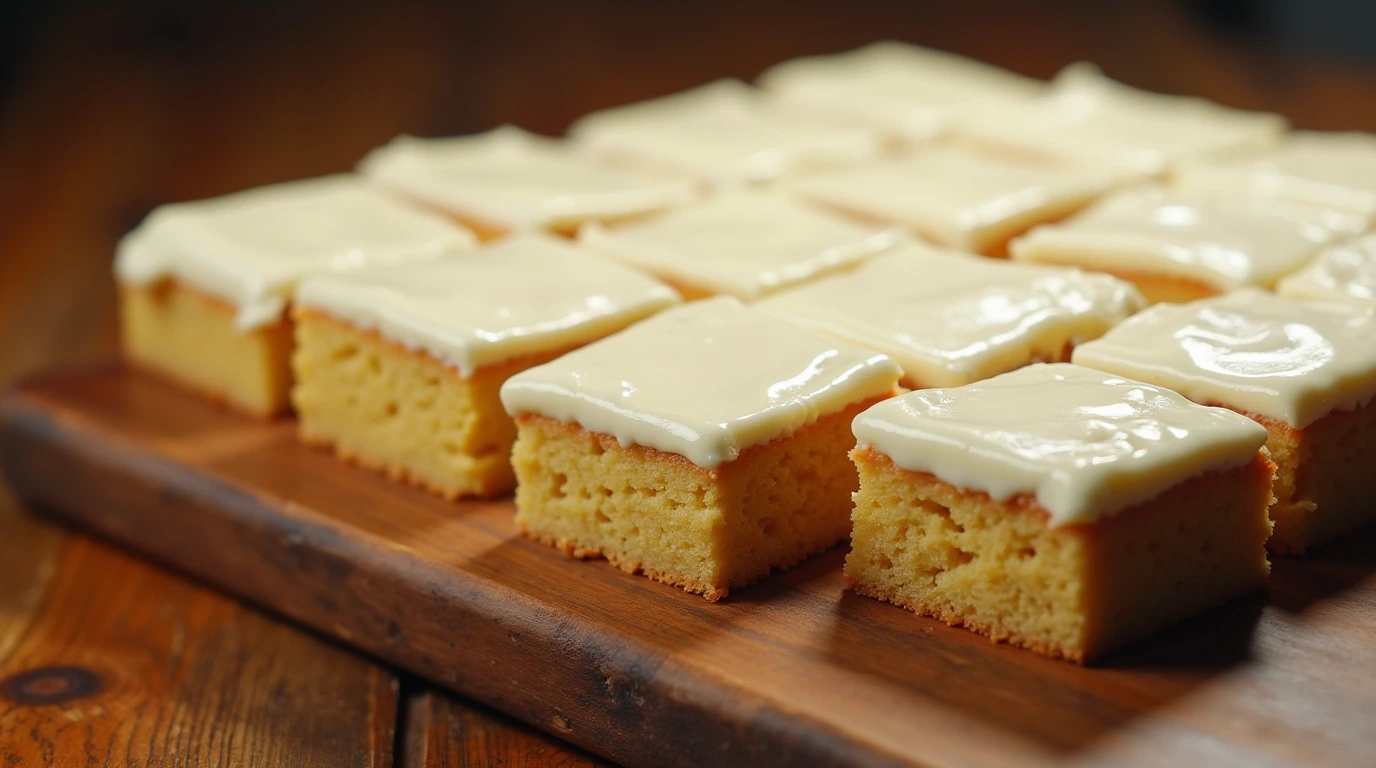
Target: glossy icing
(951, 318)
(1153, 231)
(956, 197)
(719, 133)
(250, 248)
(705, 381)
(1289, 360)
(1085, 444)
(1328, 171)
(1342, 272)
(523, 295)
(1086, 118)
(903, 91)
(517, 180)
(746, 244)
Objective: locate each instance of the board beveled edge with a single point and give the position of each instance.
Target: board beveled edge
(566, 676)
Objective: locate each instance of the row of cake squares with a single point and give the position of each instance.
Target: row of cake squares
(1065, 507)
(244, 255)
(746, 243)
(403, 366)
(708, 444)
(1213, 210)
(1219, 223)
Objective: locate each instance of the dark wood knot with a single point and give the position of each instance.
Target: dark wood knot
(50, 685)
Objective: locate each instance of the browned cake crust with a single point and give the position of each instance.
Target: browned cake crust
(187, 336)
(485, 230)
(688, 291)
(1072, 592)
(1155, 288)
(657, 513)
(1325, 485)
(1158, 289)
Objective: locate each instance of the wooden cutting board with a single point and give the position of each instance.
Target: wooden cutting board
(793, 671)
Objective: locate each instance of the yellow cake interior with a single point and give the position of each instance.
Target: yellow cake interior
(190, 336)
(402, 411)
(657, 513)
(1325, 485)
(1074, 591)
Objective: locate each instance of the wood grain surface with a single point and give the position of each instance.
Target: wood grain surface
(443, 731)
(124, 665)
(108, 116)
(111, 109)
(793, 671)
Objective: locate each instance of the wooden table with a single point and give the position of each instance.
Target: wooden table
(105, 660)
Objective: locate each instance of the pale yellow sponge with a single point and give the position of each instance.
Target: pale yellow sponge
(190, 337)
(1071, 592)
(205, 286)
(702, 447)
(400, 368)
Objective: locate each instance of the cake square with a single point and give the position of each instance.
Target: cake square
(957, 198)
(1179, 247)
(399, 368)
(508, 180)
(1341, 272)
(719, 133)
(1057, 508)
(1087, 119)
(902, 92)
(744, 244)
(1334, 172)
(204, 286)
(1304, 370)
(703, 447)
(951, 318)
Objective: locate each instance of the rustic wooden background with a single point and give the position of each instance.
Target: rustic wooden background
(107, 111)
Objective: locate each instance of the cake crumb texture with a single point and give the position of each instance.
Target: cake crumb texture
(1071, 592)
(652, 512)
(190, 337)
(403, 412)
(1325, 485)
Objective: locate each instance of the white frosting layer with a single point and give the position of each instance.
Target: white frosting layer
(746, 244)
(250, 248)
(955, 197)
(705, 381)
(1155, 232)
(1284, 359)
(517, 180)
(1087, 118)
(1085, 444)
(719, 133)
(950, 318)
(1343, 272)
(902, 91)
(524, 295)
(1335, 172)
